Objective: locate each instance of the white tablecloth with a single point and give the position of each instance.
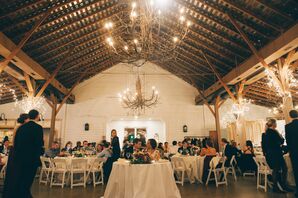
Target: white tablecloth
(142, 181)
(68, 160)
(194, 165)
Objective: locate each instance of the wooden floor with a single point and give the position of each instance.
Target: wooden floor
(244, 188)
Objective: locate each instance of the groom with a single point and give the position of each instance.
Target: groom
(28, 149)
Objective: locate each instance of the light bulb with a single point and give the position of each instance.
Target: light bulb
(134, 5)
(182, 18)
(181, 10)
(175, 39)
(188, 23)
(135, 41)
(125, 47)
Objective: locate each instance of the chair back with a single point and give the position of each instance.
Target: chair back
(217, 160)
(261, 163)
(97, 164)
(233, 161)
(59, 163)
(79, 164)
(177, 162)
(46, 162)
(3, 171)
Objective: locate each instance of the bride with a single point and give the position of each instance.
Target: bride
(151, 149)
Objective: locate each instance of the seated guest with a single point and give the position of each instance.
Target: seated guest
(85, 145)
(4, 149)
(209, 150)
(106, 152)
(174, 148)
(166, 147)
(248, 148)
(68, 147)
(185, 149)
(78, 146)
(152, 150)
(234, 149)
(99, 148)
(161, 149)
(53, 151)
(137, 146)
(180, 144)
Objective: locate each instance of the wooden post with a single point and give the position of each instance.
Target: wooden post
(53, 119)
(217, 121)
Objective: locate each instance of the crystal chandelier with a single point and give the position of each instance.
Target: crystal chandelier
(30, 102)
(137, 100)
(241, 106)
(139, 35)
(289, 79)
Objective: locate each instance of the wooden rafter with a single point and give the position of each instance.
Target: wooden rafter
(55, 72)
(251, 14)
(219, 78)
(29, 84)
(69, 93)
(12, 54)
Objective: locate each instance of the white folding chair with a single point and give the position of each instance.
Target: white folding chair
(59, 167)
(96, 169)
(46, 169)
(3, 171)
(263, 169)
(217, 172)
(179, 169)
(231, 169)
(78, 168)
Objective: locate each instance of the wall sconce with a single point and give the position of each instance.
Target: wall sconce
(185, 128)
(86, 127)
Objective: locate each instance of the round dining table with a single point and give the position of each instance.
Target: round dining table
(155, 180)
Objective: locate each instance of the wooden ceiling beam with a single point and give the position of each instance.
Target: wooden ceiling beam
(272, 51)
(29, 84)
(195, 9)
(219, 78)
(277, 11)
(8, 14)
(255, 51)
(18, 84)
(248, 26)
(199, 35)
(69, 93)
(28, 65)
(251, 14)
(27, 36)
(208, 29)
(55, 72)
(102, 17)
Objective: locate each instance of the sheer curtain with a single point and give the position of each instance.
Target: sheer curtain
(243, 130)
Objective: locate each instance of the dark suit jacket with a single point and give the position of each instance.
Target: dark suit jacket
(115, 148)
(271, 145)
(28, 144)
(292, 137)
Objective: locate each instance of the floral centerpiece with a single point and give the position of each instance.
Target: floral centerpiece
(140, 157)
(78, 154)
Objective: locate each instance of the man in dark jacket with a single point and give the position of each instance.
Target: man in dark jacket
(292, 142)
(28, 149)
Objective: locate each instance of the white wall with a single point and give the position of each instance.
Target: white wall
(98, 105)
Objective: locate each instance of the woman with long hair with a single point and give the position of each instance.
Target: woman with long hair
(11, 174)
(152, 150)
(107, 168)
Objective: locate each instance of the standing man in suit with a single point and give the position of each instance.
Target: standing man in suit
(28, 149)
(292, 139)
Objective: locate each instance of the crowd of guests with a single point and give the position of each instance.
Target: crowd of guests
(29, 135)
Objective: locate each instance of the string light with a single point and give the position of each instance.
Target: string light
(30, 102)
